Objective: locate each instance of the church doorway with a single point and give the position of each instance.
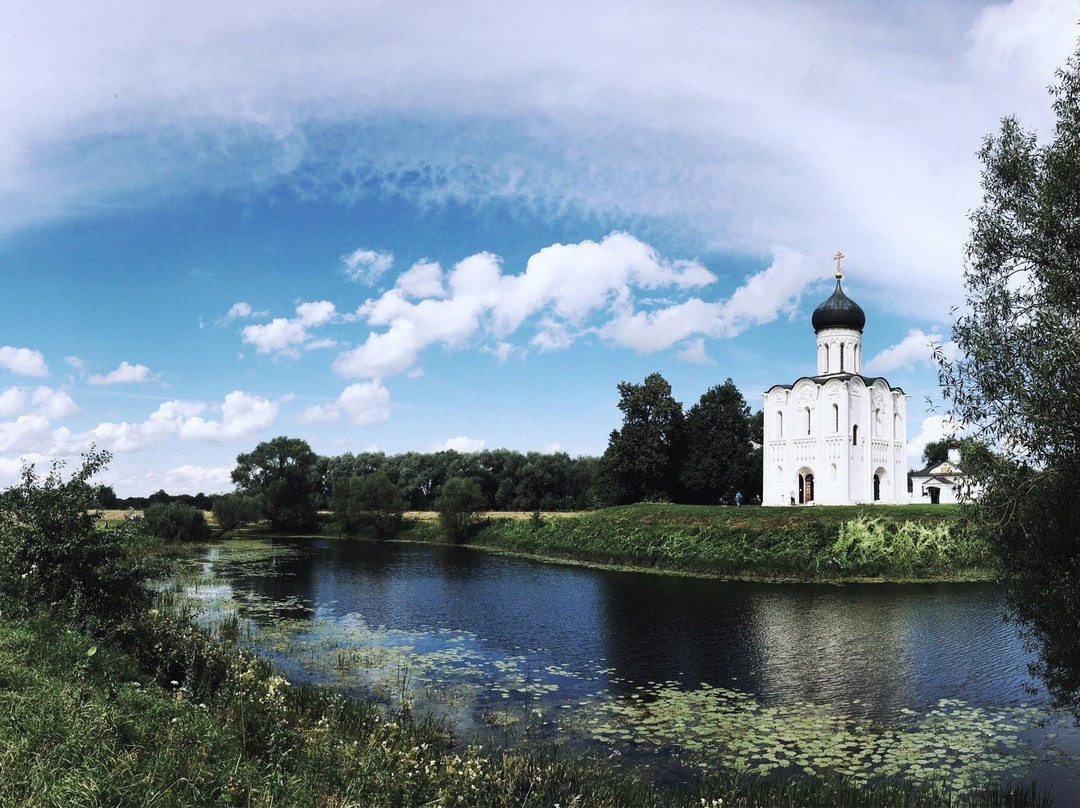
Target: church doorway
(877, 488)
(806, 487)
(935, 495)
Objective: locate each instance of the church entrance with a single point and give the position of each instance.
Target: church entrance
(806, 488)
(877, 488)
(935, 495)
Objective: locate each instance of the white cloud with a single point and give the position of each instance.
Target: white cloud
(286, 336)
(23, 361)
(362, 404)
(211, 480)
(25, 433)
(460, 444)
(422, 279)
(366, 266)
(562, 285)
(242, 310)
(75, 363)
(12, 402)
(53, 404)
(934, 428)
(126, 373)
(242, 417)
(915, 349)
(695, 353)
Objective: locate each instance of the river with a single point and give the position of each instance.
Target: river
(675, 673)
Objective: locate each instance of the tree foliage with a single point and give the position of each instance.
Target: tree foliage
(370, 502)
(174, 521)
(718, 446)
(458, 504)
(284, 473)
(232, 511)
(643, 458)
(54, 558)
(1017, 378)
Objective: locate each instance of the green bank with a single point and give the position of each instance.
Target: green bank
(819, 543)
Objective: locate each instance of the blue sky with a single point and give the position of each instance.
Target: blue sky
(415, 226)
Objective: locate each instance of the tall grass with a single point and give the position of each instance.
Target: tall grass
(805, 543)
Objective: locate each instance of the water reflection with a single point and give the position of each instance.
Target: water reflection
(515, 631)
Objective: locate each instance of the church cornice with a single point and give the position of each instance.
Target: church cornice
(868, 381)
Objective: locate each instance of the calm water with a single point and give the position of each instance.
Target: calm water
(645, 666)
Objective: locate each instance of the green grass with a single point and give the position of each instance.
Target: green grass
(819, 543)
(184, 720)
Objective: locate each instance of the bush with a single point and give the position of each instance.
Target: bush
(54, 559)
(370, 502)
(235, 510)
(458, 504)
(176, 522)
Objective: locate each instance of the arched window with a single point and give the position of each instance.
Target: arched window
(807, 411)
(779, 424)
(836, 417)
(855, 435)
(827, 367)
(877, 423)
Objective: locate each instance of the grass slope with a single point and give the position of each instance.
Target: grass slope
(820, 543)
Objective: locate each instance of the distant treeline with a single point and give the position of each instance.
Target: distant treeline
(509, 480)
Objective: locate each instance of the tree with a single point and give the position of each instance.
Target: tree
(1017, 379)
(175, 521)
(55, 559)
(458, 504)
(369, 502)
(232, 511)
(643, 459)
(718, 446)
(284, 474)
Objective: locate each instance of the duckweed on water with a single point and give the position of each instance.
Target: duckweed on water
(455, 677)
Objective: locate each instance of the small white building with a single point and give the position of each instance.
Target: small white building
(942, 483)
(836, 438)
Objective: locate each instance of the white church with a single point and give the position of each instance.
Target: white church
(837, 438)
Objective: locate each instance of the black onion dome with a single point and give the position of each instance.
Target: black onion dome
(839, 311)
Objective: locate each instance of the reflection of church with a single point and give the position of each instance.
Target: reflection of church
(837, 438)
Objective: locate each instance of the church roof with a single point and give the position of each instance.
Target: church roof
(838, 311)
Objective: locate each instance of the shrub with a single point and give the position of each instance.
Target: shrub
(458, 504)
(176, 522)
(53, 557)
(236, 510)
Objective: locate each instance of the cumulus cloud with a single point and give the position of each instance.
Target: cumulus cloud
(211, 479)
(366, 266)
(242, 310)
(46, 402)
(917, 348)
(362, 404)
(23, 361)
(565, 291)
(695, 353)
(934, 428)
(126, 373)
(286, 336)
(243, 416)
(460, 444)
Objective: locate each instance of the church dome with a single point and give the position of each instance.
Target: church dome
(839, 311)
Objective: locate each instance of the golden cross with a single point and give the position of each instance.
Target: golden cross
(838, 256)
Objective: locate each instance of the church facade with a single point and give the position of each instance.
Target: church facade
(838, 437)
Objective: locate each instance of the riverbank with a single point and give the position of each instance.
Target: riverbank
(857, 543)
(182, 717)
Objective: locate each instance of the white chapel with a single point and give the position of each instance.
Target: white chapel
(837, 438)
